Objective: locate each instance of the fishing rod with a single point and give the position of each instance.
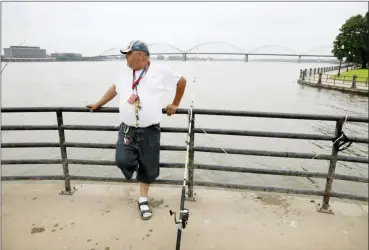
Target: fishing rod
(11, 57)
(184, 213)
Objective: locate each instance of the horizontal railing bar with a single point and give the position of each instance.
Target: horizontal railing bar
(28, 109)
(113, 146)
(70, 109)
(29, 161)
(90, 127)
(34, 177)
(276, 134)
(116, 128)
(55, 109)
(29, 127)
(118, 179)
(196, 166)
(91, 162)
(279, 172)
(350, 178)
(174, 130)
(172, 165)
(199, 149)
(112, 163)
(90, 145)
(298, 116)
(281, 115)
(196, 130)
(30, 145)
(260, 171)
(349, 196)
(279, 154)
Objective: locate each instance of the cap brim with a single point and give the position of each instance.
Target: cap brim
(124, 51)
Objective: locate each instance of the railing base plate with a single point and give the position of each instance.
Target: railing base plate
(63, 192)
(190, 198)
(322, 210)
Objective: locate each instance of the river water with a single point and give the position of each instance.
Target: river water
(253, 86)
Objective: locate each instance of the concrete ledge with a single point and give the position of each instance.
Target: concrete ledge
(358, 91)
(105, 216)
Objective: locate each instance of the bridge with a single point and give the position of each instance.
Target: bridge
(194, 50)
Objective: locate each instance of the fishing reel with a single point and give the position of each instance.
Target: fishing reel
(183, 217)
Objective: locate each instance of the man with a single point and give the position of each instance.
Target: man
(141, 90)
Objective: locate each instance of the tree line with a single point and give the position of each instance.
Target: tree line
(352, 43)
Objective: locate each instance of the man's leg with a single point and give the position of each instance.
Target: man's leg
(144, 190)
(126, 154)
(148, 171)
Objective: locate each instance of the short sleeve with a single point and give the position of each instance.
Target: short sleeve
(122, 79)
(117, 87)
(171, 77)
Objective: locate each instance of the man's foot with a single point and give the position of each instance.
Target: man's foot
(143, 206)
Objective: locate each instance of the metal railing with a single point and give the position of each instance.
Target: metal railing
(343, 81)
(313, 75)
(336, 139)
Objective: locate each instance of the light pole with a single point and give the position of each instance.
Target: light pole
(349, 56)
(339, 68)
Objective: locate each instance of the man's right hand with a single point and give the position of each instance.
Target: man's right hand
(93, 107)
(109, 95)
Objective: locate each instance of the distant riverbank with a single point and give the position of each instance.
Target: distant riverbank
(97, 59)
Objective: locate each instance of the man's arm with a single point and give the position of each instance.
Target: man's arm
(181, 85)
(108, 96)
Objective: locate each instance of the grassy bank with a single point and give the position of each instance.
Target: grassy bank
(362, 75)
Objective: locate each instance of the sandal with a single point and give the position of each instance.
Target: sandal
(142, 212)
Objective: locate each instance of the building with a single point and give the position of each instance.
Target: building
(24, 52)
(66, 56)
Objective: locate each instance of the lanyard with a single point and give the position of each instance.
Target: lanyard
(143, 73)
(134, 85)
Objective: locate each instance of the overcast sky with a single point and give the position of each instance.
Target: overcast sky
(91, 28)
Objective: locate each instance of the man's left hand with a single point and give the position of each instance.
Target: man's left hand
(171, 109)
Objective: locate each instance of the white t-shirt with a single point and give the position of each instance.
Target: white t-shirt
(151, 90)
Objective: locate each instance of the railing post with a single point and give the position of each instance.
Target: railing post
(353, 86)
(191, 156)
(320, 79)
(325, 208)
(68, 190)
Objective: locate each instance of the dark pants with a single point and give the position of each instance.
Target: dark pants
(139, 149)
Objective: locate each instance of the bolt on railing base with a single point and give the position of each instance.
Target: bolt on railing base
(190, 198)
(63, 192)
(320, 209)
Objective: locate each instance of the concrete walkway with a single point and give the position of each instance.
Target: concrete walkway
(105, 216)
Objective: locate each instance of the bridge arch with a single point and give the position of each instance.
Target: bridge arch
(272, 46)
(168, 45)
(222, 43)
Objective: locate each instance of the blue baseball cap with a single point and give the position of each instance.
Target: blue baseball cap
(135, 45)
